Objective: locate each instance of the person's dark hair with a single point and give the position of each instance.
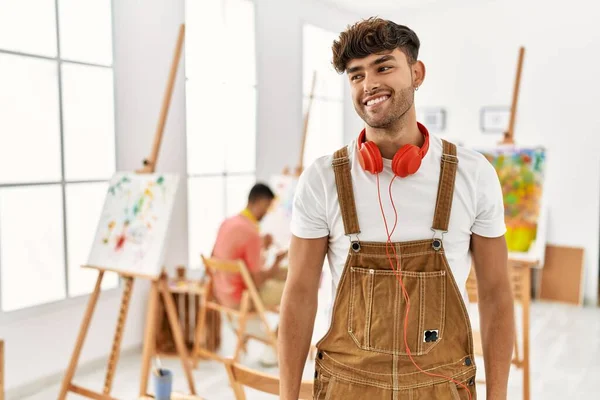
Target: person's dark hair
(260, 191)
(373, 36)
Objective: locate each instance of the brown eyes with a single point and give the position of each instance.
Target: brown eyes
(380, 69)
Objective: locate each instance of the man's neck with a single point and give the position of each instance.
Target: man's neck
(390, 139)
(249, 213)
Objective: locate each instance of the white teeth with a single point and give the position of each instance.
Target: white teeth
(377, 100)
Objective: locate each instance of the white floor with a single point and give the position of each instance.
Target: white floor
(565, 357)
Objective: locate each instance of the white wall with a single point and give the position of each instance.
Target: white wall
(279, 74)
(39, 342)
(471, 55)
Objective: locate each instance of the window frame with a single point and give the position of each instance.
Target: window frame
(224, 174)
(68, 300)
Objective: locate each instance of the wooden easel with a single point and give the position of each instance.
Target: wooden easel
(300, 166)
(521, 276)
(159, 285)
(520, 270)
(509, 135)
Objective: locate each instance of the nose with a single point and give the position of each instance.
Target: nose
(370, 83)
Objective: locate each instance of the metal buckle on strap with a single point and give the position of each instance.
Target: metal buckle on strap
(437, 239)
(354, 244)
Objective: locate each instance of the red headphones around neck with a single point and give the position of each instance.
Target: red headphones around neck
(406, 161)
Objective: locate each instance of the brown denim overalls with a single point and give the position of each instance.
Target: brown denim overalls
(363, 355)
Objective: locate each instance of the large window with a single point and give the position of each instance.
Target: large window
(57, 145)
(221, 115)
(325, 128)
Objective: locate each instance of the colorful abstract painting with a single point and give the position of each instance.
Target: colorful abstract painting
(521, 172)
(134, 223)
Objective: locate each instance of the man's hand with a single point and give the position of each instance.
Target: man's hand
(298, 310)
(267, 241)
(496, 309)
(275, 270)
(281, 256)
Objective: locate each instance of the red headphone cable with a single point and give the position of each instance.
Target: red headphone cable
(398, 273)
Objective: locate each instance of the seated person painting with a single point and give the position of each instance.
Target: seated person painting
(239, 238)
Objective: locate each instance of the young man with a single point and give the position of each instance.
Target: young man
(239, 239)
(401, 214)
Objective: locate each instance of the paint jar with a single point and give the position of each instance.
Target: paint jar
(163, 383)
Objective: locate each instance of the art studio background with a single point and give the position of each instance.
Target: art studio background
(114, 60)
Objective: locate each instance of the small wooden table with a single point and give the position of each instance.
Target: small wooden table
(187, 294)
(175, 396)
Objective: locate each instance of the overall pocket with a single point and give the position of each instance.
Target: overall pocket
(377, 310)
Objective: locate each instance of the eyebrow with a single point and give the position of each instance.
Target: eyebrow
(380, 60)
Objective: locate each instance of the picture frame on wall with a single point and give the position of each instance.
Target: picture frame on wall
(494, 119)
(434, 118)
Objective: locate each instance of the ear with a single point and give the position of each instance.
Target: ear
(418, 70)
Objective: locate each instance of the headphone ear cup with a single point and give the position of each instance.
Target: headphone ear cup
(406, 161)
(369, 157)
(374, 156)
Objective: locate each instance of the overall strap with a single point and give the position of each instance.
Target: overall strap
(343, 182)
(443, 204)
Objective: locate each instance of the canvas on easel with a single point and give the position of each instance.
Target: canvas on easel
(521, 171)
(278, 219)
(134, 223)
(130, 240)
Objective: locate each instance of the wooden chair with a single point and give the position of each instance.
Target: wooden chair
(520, 277)
(251, 306)
(240, 376)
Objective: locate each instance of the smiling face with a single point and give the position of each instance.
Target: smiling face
(382, 87)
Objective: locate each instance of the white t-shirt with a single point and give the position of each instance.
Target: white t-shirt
(477, 206)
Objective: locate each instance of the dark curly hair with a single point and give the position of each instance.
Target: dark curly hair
(372, 36)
